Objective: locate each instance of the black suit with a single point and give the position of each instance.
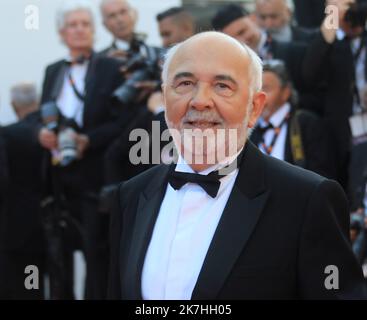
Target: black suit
(314, 140)
(81, 181)
(330, 67)
(304, 35)
(281, 227)
(292, 53)
(21, 230)
(102, 119)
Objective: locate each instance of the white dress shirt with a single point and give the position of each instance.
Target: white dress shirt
(68, 102)
(122, 45)
(182, 234)
(276, 119)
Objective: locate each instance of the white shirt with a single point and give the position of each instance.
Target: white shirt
(122, 45)
(68, 102)
(276, 119)
(182, 234)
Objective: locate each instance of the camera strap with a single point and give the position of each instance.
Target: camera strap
(269, 148)
(81, 96)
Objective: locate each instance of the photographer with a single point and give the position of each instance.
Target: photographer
(87, 120)
(140, 67)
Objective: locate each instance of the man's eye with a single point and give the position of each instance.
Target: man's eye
(184, 86)
(224, 89)
(223, 86)
(185, 83)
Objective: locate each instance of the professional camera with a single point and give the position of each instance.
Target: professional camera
(140, 68)
(356, 14)
(65, 130)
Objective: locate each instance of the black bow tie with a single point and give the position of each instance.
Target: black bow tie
(262, 130)
(79, 60)
(210, 183)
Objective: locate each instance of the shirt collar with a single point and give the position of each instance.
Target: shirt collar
(277, 118)
(122, 44)
(340, 34)
(182, 165)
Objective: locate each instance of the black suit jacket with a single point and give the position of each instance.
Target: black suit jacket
(3, 169)
(103, 119)
(292, 53)
(20, 225)
(304, 35)
(330, 68)
(281, 227)
(314, 141)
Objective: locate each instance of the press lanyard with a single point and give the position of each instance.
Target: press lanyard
(80, 95)
(269, 149)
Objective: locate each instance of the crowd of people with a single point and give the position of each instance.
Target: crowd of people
(61, 161)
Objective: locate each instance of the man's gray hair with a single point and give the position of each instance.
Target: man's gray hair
(24, 95)
(288, 3)
(254, 73)
(69, 6)
(104, 2)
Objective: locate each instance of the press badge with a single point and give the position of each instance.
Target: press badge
(358, 125)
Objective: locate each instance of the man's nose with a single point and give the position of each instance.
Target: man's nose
(202, 98)
(268, 23)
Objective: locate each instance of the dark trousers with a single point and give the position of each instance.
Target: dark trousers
(82, 227)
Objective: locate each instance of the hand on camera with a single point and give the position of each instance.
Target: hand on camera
(47, 139)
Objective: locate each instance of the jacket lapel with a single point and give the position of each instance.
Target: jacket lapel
(237, 223)
(58, 80)
(147, 211)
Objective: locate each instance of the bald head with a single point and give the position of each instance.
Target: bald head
(216, 45)
(119, 18)
(272, 15)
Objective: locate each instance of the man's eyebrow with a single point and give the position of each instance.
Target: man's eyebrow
(183, 75)
(224, 77)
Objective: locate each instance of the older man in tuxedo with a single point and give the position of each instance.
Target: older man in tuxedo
(208, 229)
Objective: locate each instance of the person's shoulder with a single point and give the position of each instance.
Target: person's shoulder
(55, 65)
(293, 176)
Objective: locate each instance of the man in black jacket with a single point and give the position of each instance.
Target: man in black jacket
(82, 87)
(21, 231)
(238, 225)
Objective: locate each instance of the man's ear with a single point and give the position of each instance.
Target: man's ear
(253, 17)
(163, 87)
(258, 103)
(62, 35)
(286, 93)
